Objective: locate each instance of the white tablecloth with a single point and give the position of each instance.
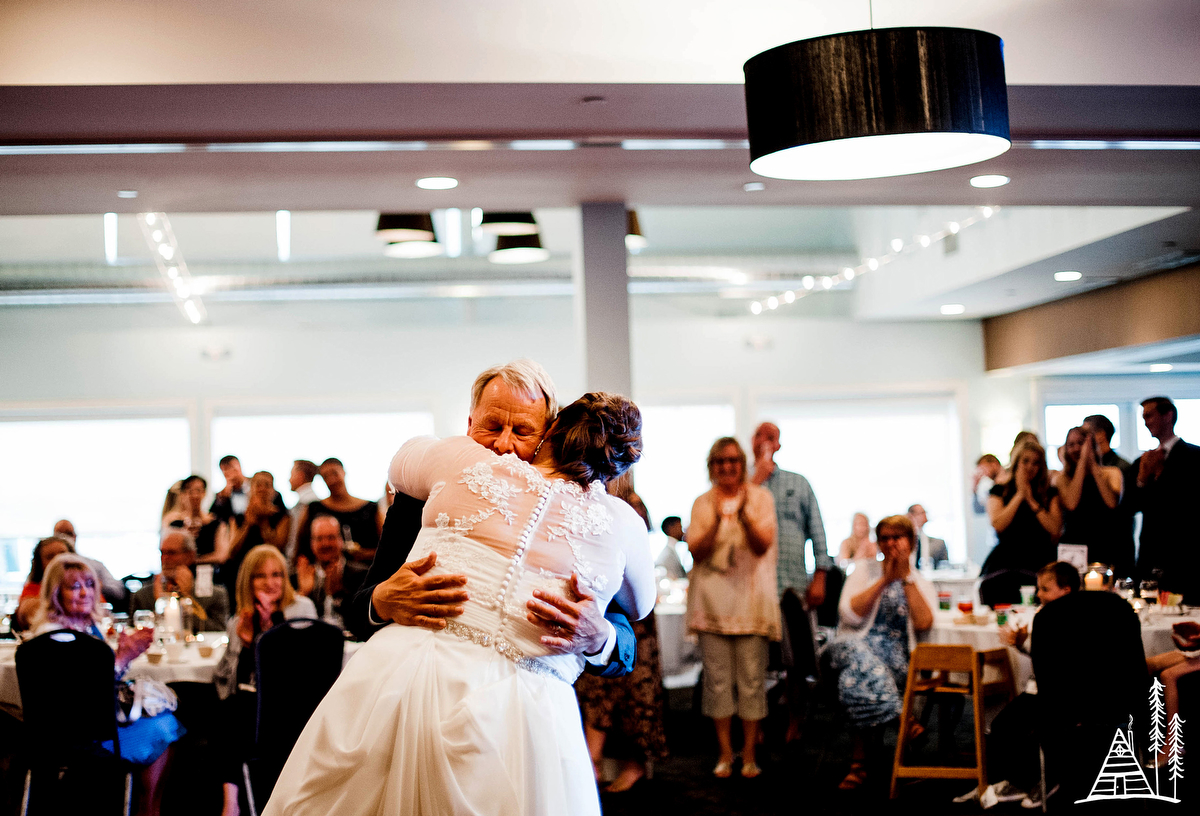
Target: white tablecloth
(1156, 638)
(191, 669)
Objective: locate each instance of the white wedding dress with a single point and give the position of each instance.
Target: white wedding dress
(478, 718)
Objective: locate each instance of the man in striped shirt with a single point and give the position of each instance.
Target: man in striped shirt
(799, 522)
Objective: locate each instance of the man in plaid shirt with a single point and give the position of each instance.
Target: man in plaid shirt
(799, 521)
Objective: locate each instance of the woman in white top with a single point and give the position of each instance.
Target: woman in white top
(480, 717)
(883, 607)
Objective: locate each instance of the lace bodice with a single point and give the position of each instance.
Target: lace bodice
(510, 530)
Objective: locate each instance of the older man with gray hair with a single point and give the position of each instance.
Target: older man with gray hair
(177, 552)
(512, 407)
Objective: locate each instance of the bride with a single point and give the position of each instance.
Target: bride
(480, 717)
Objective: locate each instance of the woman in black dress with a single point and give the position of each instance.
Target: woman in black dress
(1090, 493)
(210, 534)
(362, 517)
(1026, 513)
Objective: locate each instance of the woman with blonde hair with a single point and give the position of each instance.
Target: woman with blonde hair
(68, 600)
(859, 544)
(265, 599)
(732, 601)
(1027, 515)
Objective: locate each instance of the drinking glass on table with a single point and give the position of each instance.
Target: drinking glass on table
(143, 619)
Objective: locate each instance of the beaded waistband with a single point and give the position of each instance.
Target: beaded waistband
(504, 647)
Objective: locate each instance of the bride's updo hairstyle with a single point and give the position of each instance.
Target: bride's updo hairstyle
(598, 436)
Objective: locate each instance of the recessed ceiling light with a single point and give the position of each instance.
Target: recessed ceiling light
(989, 181)
(924, 240)
(754, 187)
(1067, 276)
(808, 281)
(126, 193)
(772, 302)
(872, 264)
(789, 296)
(953, 309)
(897, 244)
(437, 183)
(756, 307)
(1159, 368)
(848, 273)
(988, 212)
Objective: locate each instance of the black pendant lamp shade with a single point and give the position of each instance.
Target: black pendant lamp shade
(508, 223)
(394, 227)
(518, 249)
(870, 104)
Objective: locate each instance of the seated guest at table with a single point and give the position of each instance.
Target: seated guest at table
(114, 590)
(1171, 666)
(44, 552)
(859, 544)
(69, 600)
(1012, 743)
(1090, 493)
(264, 522)
(732, 602)
(177, 553)
(1027, 515)
(210, 534)
(361, 516)
(325, 576)
(1164, 490)
(264, 599)
(928, 547)
(883, 607)
(1091, 674)
(669, 558)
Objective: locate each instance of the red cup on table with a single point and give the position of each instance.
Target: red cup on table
(966, 607)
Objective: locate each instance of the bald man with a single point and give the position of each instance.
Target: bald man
(799, 519)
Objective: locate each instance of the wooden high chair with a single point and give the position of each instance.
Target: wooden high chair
(943, 662)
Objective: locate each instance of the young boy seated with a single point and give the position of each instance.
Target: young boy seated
(1012, 744)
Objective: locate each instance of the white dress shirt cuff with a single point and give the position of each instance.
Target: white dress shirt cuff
(602, 657)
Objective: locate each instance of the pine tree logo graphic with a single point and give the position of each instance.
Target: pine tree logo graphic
(1121, 775)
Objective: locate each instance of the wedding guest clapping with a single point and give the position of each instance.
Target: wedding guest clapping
(732, 601)
(859, 544)
(1090, 493)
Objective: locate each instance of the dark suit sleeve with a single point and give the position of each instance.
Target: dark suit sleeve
(400, 529)
(624, 653)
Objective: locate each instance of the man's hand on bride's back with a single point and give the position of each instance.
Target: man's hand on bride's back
(413, 598)
(572, 627)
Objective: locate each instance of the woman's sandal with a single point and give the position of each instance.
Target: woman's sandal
(854, 779)
(750, 770)
(724, 770)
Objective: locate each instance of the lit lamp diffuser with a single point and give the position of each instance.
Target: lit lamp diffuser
(878, 103)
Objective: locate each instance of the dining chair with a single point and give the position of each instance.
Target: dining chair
(69, 704)
(295, 665)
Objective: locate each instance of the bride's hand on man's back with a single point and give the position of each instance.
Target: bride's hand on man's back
(569, 626)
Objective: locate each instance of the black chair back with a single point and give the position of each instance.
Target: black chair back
(827, 612)
(1090, 667)
(68, 696)
(296, 663)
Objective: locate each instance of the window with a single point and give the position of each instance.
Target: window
(1062, 418)
(108, 476)
(365, 443)
(1187, 426)
(877, 456)
(673, 470)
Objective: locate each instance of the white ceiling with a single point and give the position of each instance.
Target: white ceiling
(98, 42)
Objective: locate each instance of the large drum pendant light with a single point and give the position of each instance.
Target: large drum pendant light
(877, 103)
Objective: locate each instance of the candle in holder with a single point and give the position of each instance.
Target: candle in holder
(1093, 580)
(174, 615)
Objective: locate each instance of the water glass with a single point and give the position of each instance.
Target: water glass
(143, 619)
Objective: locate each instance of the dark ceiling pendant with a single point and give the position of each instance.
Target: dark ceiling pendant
(877, 103)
